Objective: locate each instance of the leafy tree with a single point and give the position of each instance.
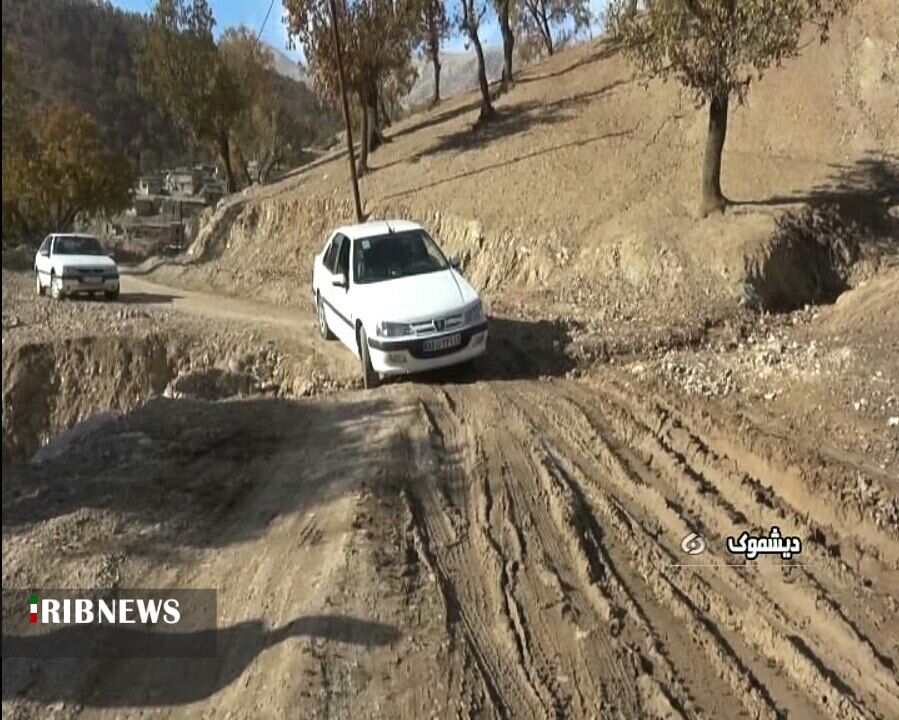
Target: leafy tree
(545, 18)
(271, 128)
(13, 134)
(90, 64)
(377, 36)
(471, 13)
(433, 28)
(60, 169)
(715, 49)
(256, 131)
(180, 66)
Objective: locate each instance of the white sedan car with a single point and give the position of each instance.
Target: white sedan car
(388, 293)
(67, 264)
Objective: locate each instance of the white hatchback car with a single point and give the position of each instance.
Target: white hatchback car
(67, 264)
(390, 295)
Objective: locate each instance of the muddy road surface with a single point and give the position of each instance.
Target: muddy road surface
(464, 546)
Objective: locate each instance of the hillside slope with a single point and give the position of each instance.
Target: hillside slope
(91, 62)
(83, 53)
(580, 200)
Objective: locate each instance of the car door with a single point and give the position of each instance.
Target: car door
(337, 307)
(325, 263)
(42, 260)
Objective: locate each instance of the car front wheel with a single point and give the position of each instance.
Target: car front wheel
(370, 379)
(111, 294)
(56, 291)
(322, 320)
(38, 286)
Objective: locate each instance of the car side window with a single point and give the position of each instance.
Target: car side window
(343, 259)
(45, 246)
(330, 258)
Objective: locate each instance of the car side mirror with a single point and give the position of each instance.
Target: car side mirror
(455, 262)
(340, 281)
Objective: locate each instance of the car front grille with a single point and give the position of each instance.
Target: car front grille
(438, 324)
(85, 273)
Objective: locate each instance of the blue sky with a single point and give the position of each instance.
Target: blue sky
(252, 14)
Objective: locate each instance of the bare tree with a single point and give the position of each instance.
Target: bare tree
(377, 36)
(433, 28)
(471, 14)
(504, 15)
(546, 18)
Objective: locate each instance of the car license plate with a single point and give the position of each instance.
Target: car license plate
(450, 341)
(92, 279)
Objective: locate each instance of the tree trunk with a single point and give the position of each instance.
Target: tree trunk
(487, 111)
(244, 166)
(365, 137)
(273, 159)
(225, 154)
(375, 139)
(383, 105)
(713, 199)
(435, 60)
(547, 35)
(508, 43)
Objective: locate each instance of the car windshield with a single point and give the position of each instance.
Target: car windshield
(396, 255)
(77, 245)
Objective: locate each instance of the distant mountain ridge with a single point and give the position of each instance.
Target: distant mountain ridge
(458, 74)
(286, 67)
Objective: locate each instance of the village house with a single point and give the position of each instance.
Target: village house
(184, 181)
(149, 185)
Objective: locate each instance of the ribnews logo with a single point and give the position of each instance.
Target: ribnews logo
(83, 611)
(109, 623)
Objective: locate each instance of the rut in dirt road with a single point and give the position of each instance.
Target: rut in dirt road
(551, 516)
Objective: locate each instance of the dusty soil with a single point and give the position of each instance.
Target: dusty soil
(462, 545)
(503, 542)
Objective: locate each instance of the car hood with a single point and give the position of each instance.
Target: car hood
(417, 297)
(79, 261)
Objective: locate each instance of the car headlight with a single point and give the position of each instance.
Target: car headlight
(393, 329)
(475, 313)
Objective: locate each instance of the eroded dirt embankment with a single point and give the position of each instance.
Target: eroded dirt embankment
(49, 386)
(66, 361)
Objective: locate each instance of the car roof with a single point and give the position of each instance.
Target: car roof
(377, 227)
(78, 235)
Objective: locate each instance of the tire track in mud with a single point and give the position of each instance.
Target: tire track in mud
(552, 513)
(528, 588)
(753, 610)
(809, 590)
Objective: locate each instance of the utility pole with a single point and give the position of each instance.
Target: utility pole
(346, 111)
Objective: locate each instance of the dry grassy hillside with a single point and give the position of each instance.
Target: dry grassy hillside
(582, 195)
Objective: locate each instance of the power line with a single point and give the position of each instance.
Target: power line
(262, 27)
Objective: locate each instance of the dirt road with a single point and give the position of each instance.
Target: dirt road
(138, 289)
(462, 547)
